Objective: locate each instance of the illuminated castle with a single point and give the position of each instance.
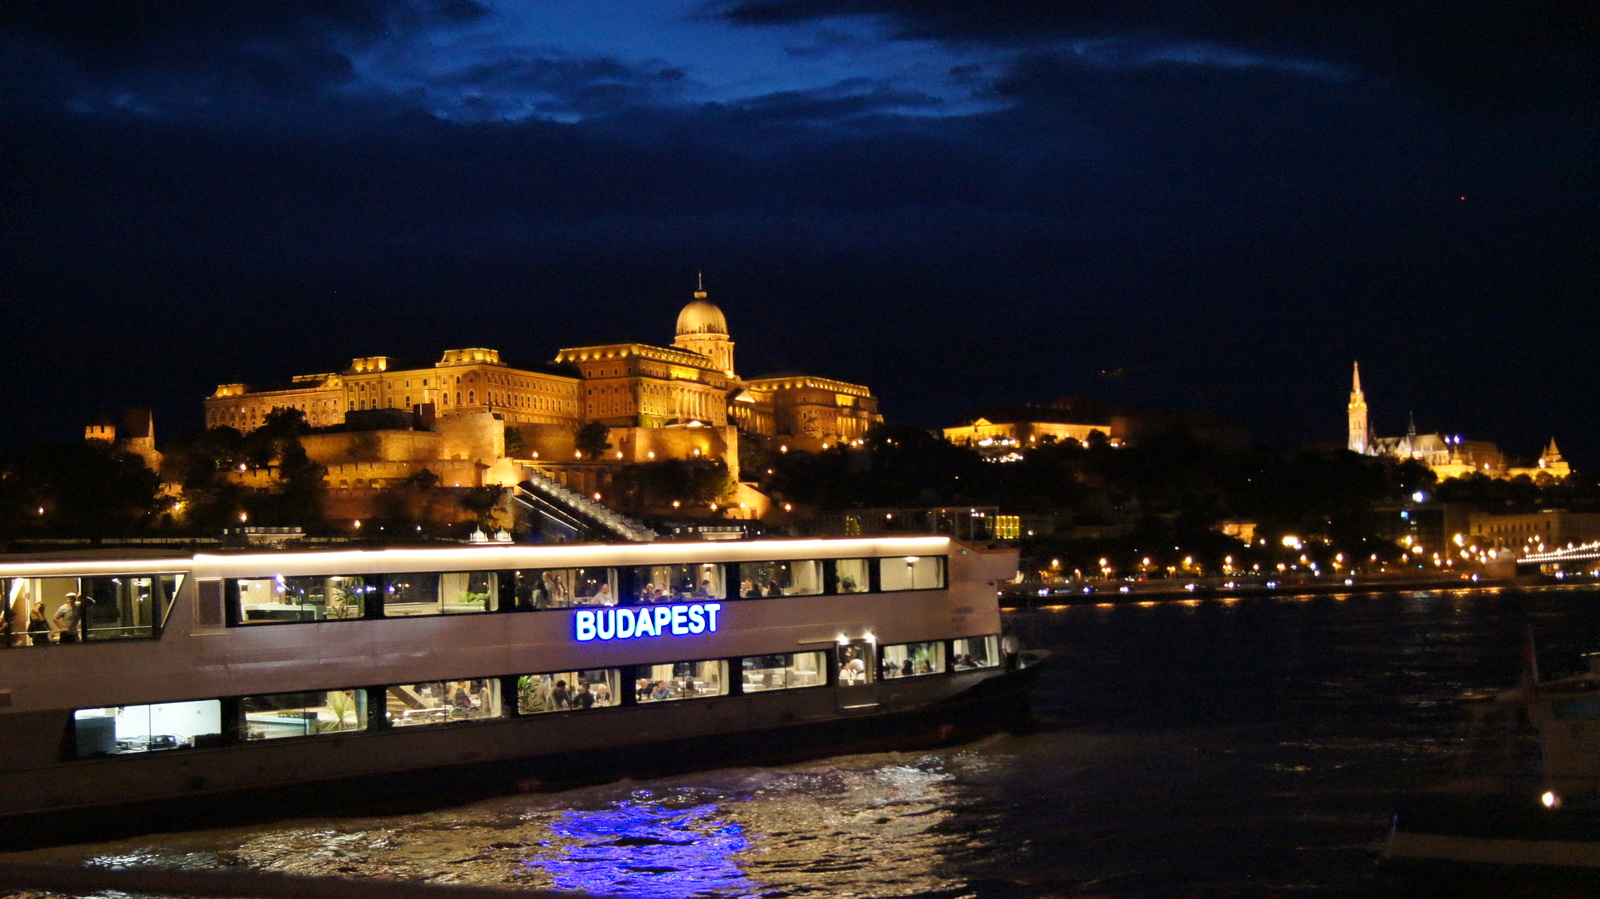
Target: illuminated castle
(454, 415)
(1446, 455)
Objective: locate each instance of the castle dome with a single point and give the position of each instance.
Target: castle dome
(701, 316)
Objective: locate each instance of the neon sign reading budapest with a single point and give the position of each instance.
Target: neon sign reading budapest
(649, 621)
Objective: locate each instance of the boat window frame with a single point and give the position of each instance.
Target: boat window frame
(158, 617)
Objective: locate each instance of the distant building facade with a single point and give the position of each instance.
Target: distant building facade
(1447, 456)
(1003, 432)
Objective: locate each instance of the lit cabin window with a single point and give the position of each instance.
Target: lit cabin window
(279, 599)
(280, 715)
(563, 691)
(440, 593)
(439, 702)
(680, 680)
(563, 588)
(911, 573)
(132, 729)
(913, 659)
(975, 652)
(792, 578)
(679, 583)
(784, 672)
(851, 576)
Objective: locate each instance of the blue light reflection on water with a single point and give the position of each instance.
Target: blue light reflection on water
(641, 847)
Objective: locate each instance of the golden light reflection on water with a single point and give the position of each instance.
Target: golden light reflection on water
(873, 822)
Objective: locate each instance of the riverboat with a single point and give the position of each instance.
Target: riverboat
(152, 691)
(1523, 805)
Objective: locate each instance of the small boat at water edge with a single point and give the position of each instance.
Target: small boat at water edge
(1522, 811)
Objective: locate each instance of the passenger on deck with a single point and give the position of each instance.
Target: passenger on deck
(69, 619)
(38, 625)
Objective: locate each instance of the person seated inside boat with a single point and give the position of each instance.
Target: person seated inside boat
(749, 590)
(925, 667)
(773, 589)
(661, 691)
(704, 590)
(561, 697)
(602, 694)
(603, 597)
(584, 698)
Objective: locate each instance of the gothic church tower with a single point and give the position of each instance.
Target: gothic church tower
(1360, 433)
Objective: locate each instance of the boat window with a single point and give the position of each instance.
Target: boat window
(851, 576)
(437, 702)
(440, 593)
(122, 730)
(783, 672)
(43, 610)
(976, 652)
(911, 573)
(912, 659)
(562, 588)
(560, 691)
(792, 578)
(279, 715)
(678, 583)
(855, 663)
(680, 680)
(279, 599)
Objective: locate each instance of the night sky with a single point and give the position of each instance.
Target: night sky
(1222, 204)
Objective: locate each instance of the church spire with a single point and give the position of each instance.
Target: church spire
(1360, 433)
(699, 285)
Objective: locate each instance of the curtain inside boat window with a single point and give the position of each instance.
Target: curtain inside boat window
(565, 588)
(279, 715)
(975, 652)
(678, 583)
(913, 659)
(281, 600)
(798, 577)
(783, 672)
(680, 680)
(911, 573)
(561, 691)
(134, 729)
(440, 702)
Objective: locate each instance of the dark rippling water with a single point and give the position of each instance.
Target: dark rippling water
(1202, 748)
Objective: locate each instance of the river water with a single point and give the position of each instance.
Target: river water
(1253, 747)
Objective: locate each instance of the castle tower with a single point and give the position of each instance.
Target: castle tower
(1360, 432)
(101, 429)
(703, 329)
(1550, 460)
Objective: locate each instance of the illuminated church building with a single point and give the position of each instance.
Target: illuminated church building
(681, 401)
(1447, 456)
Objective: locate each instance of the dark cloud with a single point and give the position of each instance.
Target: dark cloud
(1483, 52)
(1237, 199)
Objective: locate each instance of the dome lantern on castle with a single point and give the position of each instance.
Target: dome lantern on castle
(701, 316)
